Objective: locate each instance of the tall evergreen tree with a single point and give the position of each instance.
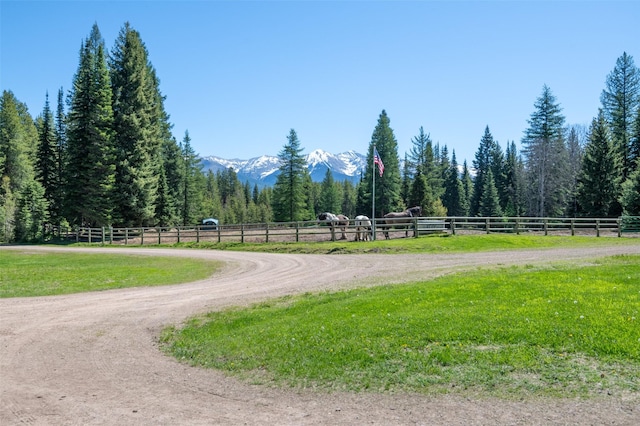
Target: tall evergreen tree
(418, 154)
(289, 199)
(545, 157)
(18, 137)
(329, 199)
(620, 101)
(137, 130)
(405, 186)
(46, 157)
(348, 206)
(467, 185)
(630, 198)
(454, 197)
(31, 213)
(57, 207)
(575, 152)
(387, 195)
(634, 150)
(191, 169)
(90, 152)
(490, 201)
(514, 181)
(482, 163)
(599, 181)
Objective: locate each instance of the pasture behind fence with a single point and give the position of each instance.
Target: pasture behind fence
(308, 231)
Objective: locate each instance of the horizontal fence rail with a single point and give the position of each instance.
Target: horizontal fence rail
(307, 231)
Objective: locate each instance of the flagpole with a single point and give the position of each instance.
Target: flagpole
(373, 193)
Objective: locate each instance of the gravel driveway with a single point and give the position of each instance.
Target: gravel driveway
(92, 358)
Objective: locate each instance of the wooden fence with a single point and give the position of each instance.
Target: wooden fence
(314, 231)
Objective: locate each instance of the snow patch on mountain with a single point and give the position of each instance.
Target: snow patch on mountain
(263, 170)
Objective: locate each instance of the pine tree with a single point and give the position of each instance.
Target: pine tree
(575, 152)
(387, 196)
(349, 196)
(490, 201)
(620, 101)
(514, 181)
(630, 198)
(634, 150)
(454, 197)
(137, 130)
(31, 213)
(57, 207)
(483, 162)
(289, 199)
(90, 153)
(467, 185)
(191, 168)
(329, 199)
(46, 169)
(18, 137)
(405, 186)
(599, 181)
(545, 154)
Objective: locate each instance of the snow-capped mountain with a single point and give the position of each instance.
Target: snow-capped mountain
(264, 170)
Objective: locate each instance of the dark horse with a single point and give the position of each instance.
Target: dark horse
(335, 221)
(401, 219)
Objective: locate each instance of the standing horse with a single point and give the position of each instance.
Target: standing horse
(340, 221)
(363, 228)
(402, 219)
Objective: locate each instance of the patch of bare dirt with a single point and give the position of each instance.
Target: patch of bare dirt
(93, 358)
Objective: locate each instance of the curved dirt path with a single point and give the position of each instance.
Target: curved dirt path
(92, 358)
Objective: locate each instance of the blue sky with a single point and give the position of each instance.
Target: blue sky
(239, 75)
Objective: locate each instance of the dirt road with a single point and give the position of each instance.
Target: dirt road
(92, 359)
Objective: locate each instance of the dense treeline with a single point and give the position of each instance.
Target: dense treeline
(105, 156)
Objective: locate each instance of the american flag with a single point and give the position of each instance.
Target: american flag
(377, 160)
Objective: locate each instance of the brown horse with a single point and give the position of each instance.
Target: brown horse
(401, 219)
(335, 221)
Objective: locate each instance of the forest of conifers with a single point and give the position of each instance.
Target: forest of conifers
(104, 155)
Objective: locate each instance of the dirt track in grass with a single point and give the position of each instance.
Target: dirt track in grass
(93, 358)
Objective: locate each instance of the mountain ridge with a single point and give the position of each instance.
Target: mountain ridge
(263, 170)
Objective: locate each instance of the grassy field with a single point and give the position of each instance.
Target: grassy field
(445, 243)
(560, 331)
(24, 274)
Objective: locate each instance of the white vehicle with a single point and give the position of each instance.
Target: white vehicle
(210, 223)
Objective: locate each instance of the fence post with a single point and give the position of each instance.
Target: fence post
(487, 225)
(178, 228)
(126, 236)
(218, 230)
(198, 234)
(453, 226)
(242, 233)
(333, 233)
(141, 236)
(546, 225)
(266, 232)
(517, 226)
(597, 227)
(77, 235)
(573, 227)
(297, 231)
(619, 222)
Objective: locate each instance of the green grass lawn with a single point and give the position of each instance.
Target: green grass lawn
(24, 273)
(561, 331)
(445, 243)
